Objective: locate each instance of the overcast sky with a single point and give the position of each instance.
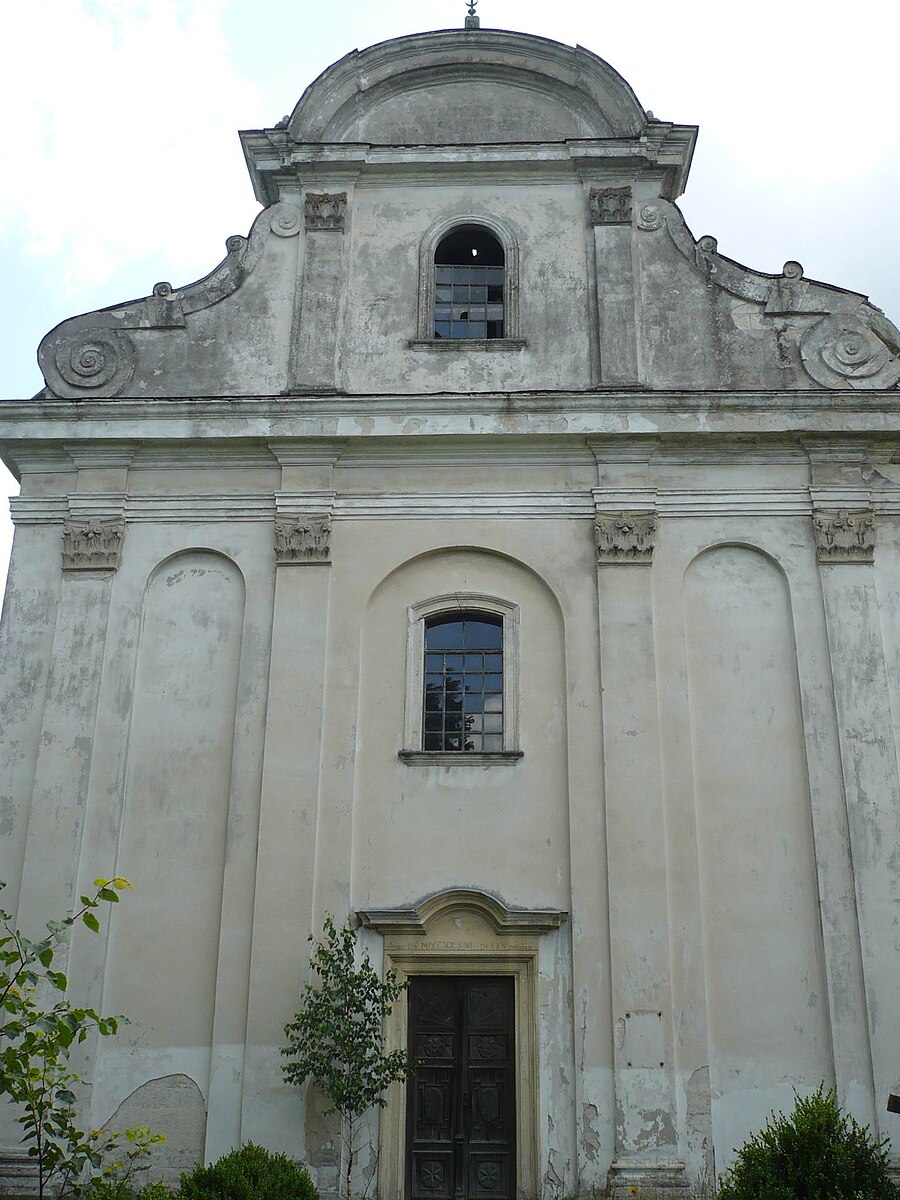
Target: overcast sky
(120, 164)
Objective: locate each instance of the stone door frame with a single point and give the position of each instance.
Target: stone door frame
(465, 932)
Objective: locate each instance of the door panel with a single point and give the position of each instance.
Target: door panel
(461, 1101)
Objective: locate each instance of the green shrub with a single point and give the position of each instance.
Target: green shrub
(155, 1191)
(250, 1173)
(816, 1152)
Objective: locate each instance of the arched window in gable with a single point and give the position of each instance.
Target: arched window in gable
(469, 281)
(468, 296)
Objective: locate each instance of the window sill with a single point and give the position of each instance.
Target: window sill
(467, 344)
(474, 758)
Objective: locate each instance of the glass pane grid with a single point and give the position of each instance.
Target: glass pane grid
(468, 302)
(463, 704)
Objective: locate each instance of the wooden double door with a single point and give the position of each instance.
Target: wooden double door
(460, 1111)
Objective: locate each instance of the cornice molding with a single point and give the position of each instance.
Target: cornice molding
(584, 504)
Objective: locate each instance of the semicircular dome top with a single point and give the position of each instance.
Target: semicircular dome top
(462, 86)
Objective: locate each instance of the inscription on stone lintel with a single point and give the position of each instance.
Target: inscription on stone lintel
(489, 947)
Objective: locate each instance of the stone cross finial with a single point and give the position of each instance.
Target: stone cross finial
(472, 21)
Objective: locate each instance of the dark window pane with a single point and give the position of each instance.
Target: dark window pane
(479, 274)
(495, 275)
(442, 329)
(495, 329)
(483, 635)
(495, 294)
(432, 741)
(444, 634)
(463, 685)
(461, 274)
(460, 295)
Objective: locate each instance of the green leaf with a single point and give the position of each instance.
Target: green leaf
(91, 921)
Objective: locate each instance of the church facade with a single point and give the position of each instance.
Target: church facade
(476, 555)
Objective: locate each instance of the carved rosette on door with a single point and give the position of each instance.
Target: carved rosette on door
(461, 1101)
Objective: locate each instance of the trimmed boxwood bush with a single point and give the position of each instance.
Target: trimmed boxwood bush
(250, 1173)
(817, 1152)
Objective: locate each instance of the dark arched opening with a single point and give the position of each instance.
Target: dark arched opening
(468, 284)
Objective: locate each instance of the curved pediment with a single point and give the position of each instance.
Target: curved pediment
(467, 86)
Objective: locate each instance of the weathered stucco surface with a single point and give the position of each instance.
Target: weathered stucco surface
(679, 475)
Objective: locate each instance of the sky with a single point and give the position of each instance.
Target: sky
(120, 164)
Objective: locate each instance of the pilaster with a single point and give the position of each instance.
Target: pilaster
(314, 339)
(301, 538)
(90, 551)
(611, 218)
(646, 1121)
(845, 550)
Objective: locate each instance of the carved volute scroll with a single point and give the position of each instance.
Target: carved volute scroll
(325, 211)
(842, 351)
(846, 536)
(611, 206)
(303, 540)
(87, 362)
(625, 537)
(92, 545)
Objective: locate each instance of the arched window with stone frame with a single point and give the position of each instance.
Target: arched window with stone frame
(469, 285)
(462, 677)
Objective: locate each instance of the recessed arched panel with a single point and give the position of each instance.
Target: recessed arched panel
(764, 966)
(162, 962)
(473, 820)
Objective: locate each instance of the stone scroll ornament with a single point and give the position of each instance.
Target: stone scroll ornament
(92, 545)
(90, 362)
(843, 352)
(846, 536)
(325, 211)
(303, 540)
(625, 537)
(611, 206)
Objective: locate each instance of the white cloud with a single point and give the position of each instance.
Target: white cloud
(125, 140)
